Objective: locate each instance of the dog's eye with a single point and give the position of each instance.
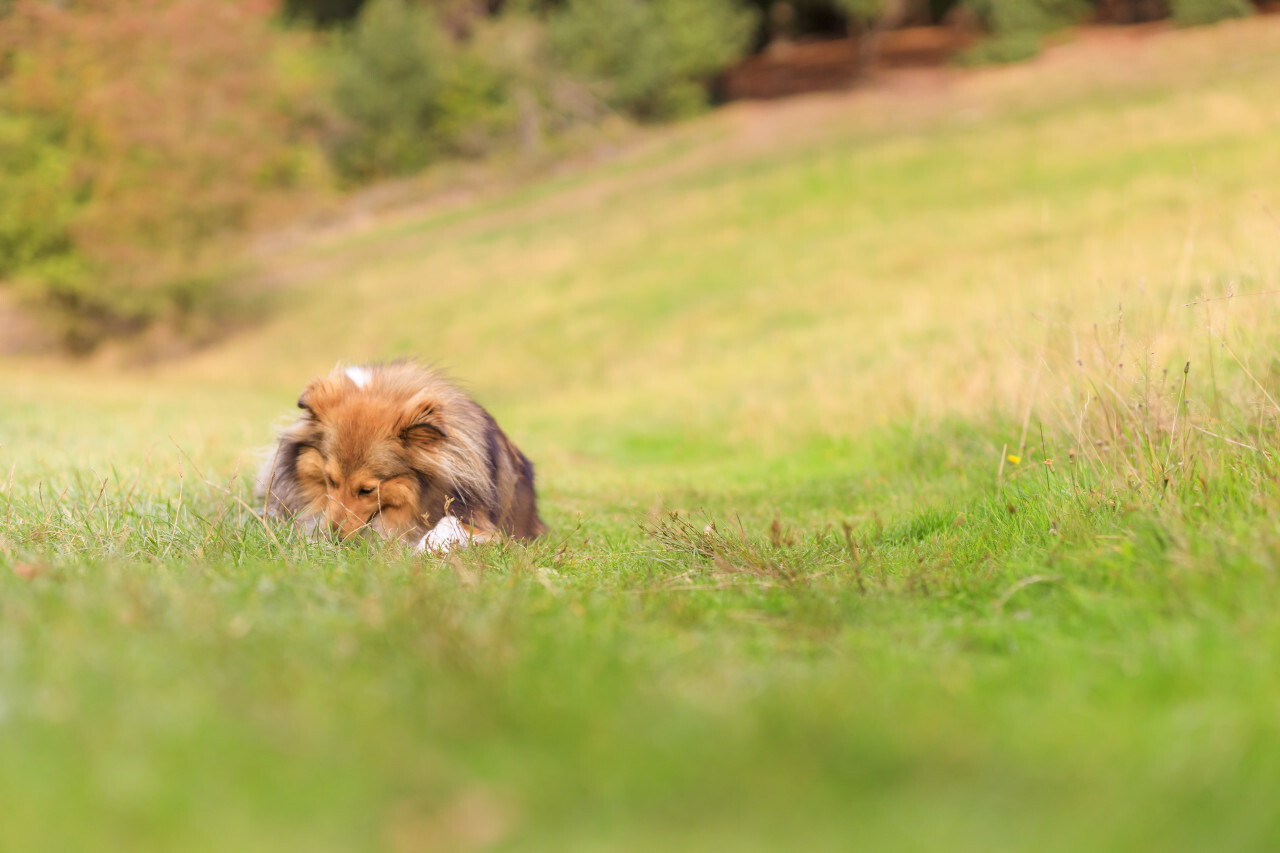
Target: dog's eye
(366, 491)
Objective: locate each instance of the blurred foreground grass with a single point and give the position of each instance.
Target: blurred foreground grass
(959, 562)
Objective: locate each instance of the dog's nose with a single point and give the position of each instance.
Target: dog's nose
(345, 528)
(342, 522)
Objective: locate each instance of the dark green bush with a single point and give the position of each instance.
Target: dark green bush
(476, 109)
(651, 58)
(1017, 26)
(388, 87)
(320, 12)
(1000, 49)
(407, 95)
(1190, 13)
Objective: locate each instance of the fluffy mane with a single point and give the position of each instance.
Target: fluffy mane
(406, 432)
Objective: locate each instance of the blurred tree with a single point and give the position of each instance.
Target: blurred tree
(451, 13)
(1016, 27)
(870, 19)
(323, 12)
(139, 135)
(1131, 11)
(388, 90)
(651, 58)
(1190, 13)
(38, 199)
(819, 18)
(407, 93)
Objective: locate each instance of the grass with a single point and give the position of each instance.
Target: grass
(881, 513)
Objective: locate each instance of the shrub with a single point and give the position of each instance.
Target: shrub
(407, 94)
(651, 58)
(388, 86)
(139, 136)
(539, 99)
(476, 109)
(38, 201)
(1000, 49)
(1190, 13)
(321, 12)
(1130, 11)
(1017, 26)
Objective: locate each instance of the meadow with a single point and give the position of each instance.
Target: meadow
(909, 460)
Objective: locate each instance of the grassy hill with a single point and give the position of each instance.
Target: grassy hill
(963, 558)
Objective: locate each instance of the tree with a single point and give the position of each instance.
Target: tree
(871, 19)
(158, 127)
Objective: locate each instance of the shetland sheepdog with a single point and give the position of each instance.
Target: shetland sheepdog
(398, 452)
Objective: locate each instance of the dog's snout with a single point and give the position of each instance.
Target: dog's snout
(343, 522)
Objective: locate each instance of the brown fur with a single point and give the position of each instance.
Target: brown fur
(395, 456)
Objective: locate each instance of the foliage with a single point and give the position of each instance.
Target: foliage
(871, 18)
(866, 12)
(388, 88)
(651, 58)
(142, 136)
(407, 94)
(1016, 26)
(322, 12)
(1190, 13)
(38, 198)
(1005, 48)
(1130, 11)
(416, 83)
(151, 131)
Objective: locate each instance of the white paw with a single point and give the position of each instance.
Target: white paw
(443, 536)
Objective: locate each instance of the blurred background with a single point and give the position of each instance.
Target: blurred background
(664, 240)
(145, 143)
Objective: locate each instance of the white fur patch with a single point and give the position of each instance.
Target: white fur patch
(447, 533)
(359, 375)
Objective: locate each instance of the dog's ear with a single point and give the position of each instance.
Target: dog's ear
(316, 397)
(422, 421)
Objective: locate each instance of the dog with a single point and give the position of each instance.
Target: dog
(399, 452)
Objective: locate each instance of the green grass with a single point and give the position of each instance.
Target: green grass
(769, 367)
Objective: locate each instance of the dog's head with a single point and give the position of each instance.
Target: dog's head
(366, 444)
